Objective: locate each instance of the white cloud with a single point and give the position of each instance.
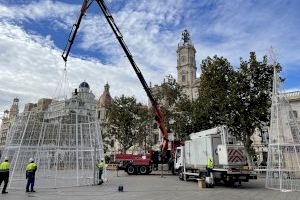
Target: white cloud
(150, 28)
(31, 68)
(239, 27)
(42, 9)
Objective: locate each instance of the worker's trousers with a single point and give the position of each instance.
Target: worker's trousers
(100, 181)
(4, 177)
(100, 174)
(209, 171)
(30, 183)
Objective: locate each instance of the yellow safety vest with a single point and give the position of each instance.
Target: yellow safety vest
(101, 165)
(31, 167)
(210, 163)
(4, 166)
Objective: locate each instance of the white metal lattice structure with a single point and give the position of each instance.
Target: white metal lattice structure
(66, 149)
(283, 170)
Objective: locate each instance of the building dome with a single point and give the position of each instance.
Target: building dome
(84, 85)
(105, 99)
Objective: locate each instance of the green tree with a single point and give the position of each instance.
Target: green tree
(126, 121)
(175, 107)
(212, 108)
(250, 100)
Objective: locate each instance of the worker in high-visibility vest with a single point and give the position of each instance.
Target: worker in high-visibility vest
(31, 168)
(100, 166)
(210, 165)
(4, 174)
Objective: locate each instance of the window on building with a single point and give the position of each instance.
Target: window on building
(293, 114)
(155, 138)
(294, 131)
(183, 78)
(112, 143)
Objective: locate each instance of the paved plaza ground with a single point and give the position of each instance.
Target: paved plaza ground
(153, 187)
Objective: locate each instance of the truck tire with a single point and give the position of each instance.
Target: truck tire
(228, 183)
(173, 170)
(202, 175)
(130, 170)
(149, 169)
(181, 176)
(143, 170)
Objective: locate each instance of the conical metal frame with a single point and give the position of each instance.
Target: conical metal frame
(65, 148)
(283, 169)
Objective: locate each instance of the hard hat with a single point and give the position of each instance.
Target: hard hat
(6, 158)
(31, 159)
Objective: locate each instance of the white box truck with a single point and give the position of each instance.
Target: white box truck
(227, 155)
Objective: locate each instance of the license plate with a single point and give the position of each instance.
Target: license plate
(242, 177)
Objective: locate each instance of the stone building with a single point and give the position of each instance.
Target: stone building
(186, 66)
(294, 99)
(7, 120)
(103, 103)
(81, 106)
(186, 78)
(6, 123)
(38, 107)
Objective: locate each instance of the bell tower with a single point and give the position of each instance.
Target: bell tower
(186, 62)
(14, 109)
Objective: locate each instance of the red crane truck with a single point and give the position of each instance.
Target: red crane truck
(135, 164)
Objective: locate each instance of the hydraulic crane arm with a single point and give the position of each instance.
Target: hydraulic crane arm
(86, 3)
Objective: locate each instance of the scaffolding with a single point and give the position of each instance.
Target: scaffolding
(66, 148)
(283, 169)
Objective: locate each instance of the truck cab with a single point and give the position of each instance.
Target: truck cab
(178, 164)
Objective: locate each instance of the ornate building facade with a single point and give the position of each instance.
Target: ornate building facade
(81, 107)
(110, 144)
(7, 120)
(186, 66)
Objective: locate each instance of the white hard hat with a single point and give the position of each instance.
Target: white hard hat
(6, 158)
(31, 159)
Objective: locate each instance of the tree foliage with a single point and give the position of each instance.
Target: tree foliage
(212, 107)
(240, 99)
(127, 121)
(175, 107)
(251, 100)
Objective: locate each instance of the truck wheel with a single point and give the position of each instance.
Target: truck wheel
(143, 170)
(149, 170)
(229, 183)
(130, 170)
(173, 170)
(181, 176)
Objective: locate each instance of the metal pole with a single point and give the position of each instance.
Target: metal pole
(81, 150)
(94, 165)
(77, 161)
(184, 166)
(161, 165)
(56, 159)
(19, 148)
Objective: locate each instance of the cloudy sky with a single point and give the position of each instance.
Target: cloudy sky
(34, 32)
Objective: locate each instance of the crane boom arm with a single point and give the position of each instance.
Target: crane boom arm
(86, 3)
